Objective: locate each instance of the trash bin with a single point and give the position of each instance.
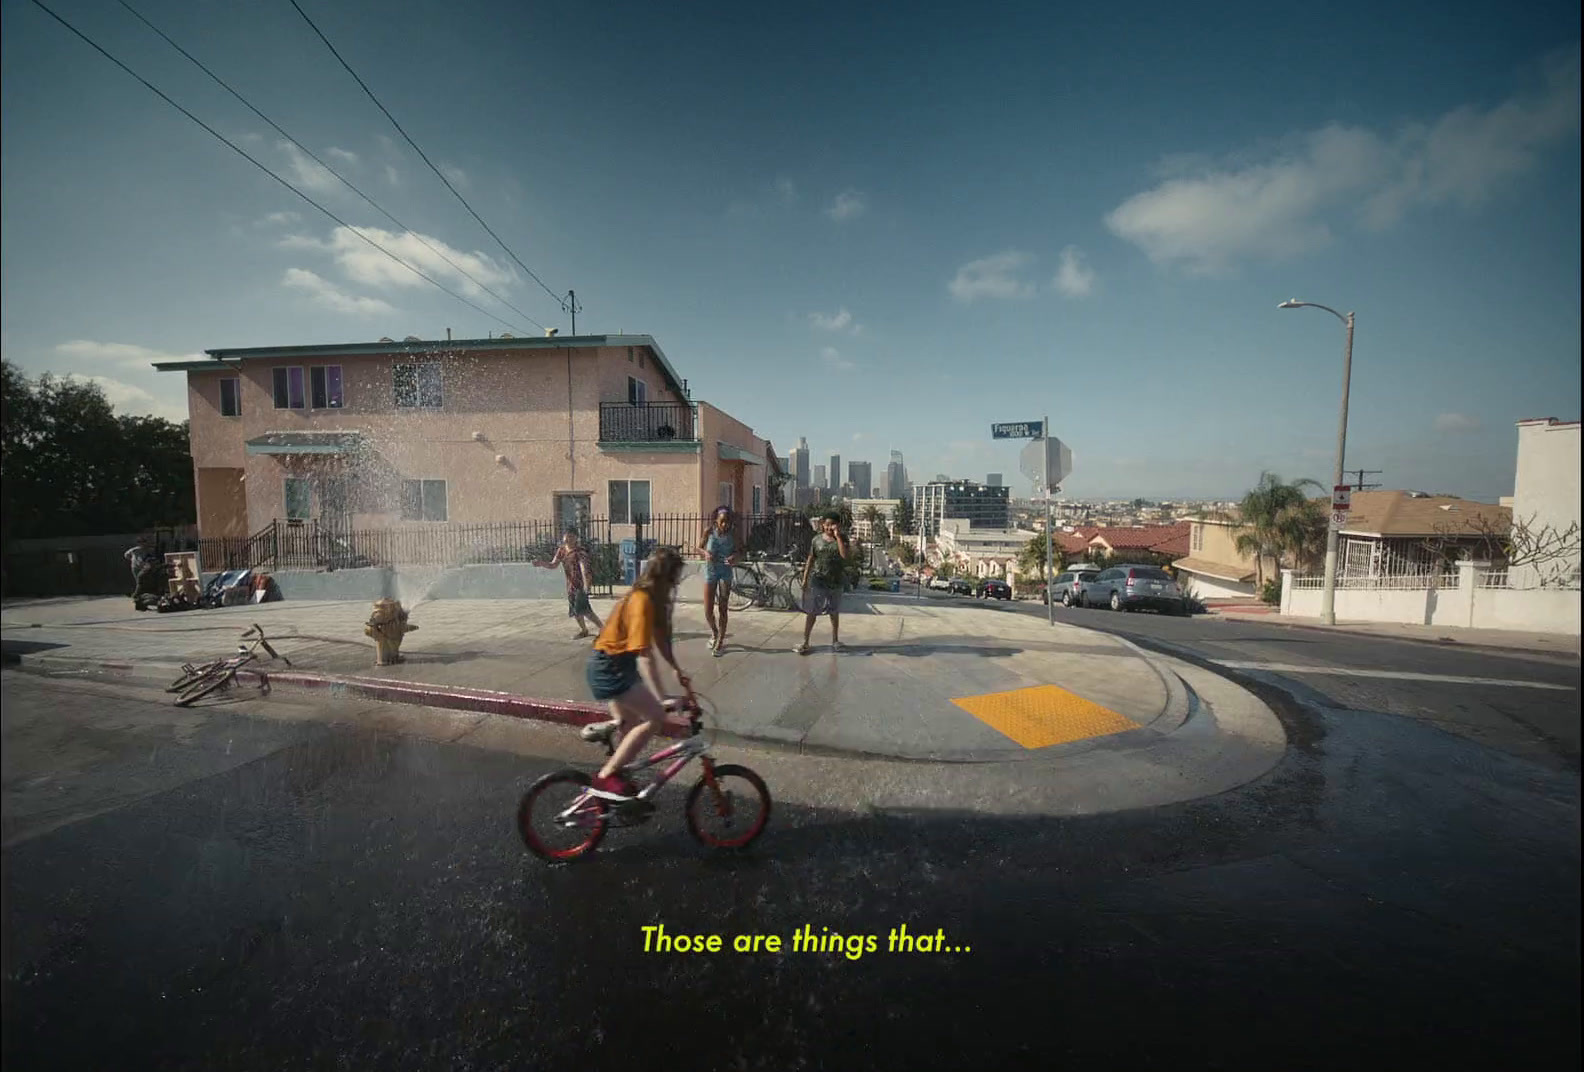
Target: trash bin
(632, 558)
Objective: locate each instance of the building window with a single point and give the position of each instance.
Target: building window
(424, 500)
(299, 498)
(325, 382)
(637, 391)
(1198, 538)
(640, 359)
(758, 500)
(288, 388)
(629, 355)
(629, 500)
(727, 492)
(231, 397)
(418, 386)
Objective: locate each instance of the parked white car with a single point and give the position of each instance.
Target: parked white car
(940, 584)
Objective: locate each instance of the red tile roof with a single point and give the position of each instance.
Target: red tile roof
(1162, 539)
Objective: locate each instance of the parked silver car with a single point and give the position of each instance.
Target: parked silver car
(1133, 587)
(1067, 588)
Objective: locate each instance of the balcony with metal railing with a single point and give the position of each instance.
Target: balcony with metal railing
(649, 426)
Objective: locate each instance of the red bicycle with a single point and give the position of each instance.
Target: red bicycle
(563, 817)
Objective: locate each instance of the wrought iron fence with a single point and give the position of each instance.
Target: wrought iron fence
(285, 545)
(647, 422)
(778, 535)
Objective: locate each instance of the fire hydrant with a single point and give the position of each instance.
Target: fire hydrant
(387, 625)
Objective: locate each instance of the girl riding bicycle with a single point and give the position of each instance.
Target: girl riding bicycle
(719, 546)
(637, 628)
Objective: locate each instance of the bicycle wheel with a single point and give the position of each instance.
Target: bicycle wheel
(745, 589)
(192, 674)
(733, 816)
(215, 679)
(551, 838)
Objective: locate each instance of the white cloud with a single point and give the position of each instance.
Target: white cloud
(840, 321)
(122, 354)
(305, 173)
(1074, 278)
(346, 156)
(391, 176)
(278, 219)
(857, 437)
(1288, 199)
(992, 277)
(455, 175)
(832, 357)
(849, 205)
(365, 265)
(1456, 422)
(786, 189)
(328, 295)
(129, 399)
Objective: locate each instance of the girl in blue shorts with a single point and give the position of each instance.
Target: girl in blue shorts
(719, 547)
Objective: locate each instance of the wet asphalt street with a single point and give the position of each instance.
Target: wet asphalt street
(228, 890)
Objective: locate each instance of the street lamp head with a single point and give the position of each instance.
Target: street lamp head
(1290, 303)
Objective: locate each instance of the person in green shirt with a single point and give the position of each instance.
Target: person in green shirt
(824, 577)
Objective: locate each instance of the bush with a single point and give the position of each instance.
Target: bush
(1271, 593)
(1191, 601)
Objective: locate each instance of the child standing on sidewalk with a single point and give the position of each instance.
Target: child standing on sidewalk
(574, 562)
(824, 577)
(720, 555)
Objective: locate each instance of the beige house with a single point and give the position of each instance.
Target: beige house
(1213, 564)
(425, 433)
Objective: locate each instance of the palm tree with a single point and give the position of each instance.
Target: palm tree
(1277, 518)
(871, 517)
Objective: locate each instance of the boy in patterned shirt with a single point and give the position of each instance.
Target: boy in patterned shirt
(574, 562)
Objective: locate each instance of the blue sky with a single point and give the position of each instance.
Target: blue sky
(874, 230)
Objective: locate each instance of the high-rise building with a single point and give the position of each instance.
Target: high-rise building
(993, 480)
(835, 473)
(819, 478)
(982, 506)
(861, 476)
(896, 477)
(800, 462)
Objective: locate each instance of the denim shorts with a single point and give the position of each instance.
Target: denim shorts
(612, 676)
(716, 572)
(578, 604)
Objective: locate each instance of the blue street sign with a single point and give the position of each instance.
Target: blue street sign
(1018, 430)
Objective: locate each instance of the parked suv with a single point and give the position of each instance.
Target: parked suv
(961, 587)
(994, 589)
(1067, 588)
(1132, 587)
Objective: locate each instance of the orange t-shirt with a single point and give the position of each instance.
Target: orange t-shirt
(631, 626)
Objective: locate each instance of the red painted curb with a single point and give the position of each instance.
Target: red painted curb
(454, 697)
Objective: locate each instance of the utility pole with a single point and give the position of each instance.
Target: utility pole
(1050, 537)
(1360, 485)
(570, 304)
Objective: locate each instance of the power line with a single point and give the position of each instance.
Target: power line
(421, 153)
(312, 156)
(264, 168)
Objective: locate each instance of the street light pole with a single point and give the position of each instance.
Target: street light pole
(1328, 594)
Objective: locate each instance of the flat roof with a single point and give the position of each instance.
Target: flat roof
(432, 347)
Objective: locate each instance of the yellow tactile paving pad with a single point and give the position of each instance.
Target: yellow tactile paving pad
(1044, 715)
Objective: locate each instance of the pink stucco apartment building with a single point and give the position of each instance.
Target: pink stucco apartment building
(423, 433)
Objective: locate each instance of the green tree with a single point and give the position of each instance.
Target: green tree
(70, 467)
(904, 553)
(1279, 519)
(1031, 558)
(902, 518)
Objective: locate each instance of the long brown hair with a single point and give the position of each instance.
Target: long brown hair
(661, 575)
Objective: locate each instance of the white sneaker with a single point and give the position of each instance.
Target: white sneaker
(801, 649)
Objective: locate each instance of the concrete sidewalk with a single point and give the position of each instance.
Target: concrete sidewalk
(918, 681)
(1491, 639)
